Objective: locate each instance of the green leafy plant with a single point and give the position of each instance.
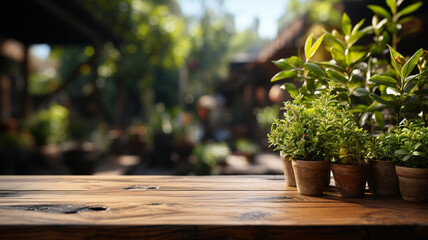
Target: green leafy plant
(360, 72)
(319, 130)
(399, 93)
(391, 22)
(410, 144)
(308, 71)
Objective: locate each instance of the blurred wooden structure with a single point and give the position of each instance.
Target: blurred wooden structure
(54, 23)
(211, 207)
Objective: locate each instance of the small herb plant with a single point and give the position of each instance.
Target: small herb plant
(410, 142)
(318, 131)
(295, 134)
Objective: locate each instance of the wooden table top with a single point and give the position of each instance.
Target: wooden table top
(195, 207)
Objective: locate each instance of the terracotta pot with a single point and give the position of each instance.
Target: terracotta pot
(413, 183)
(311, 176)
(288, 171)
(382, 179)
(350, 179)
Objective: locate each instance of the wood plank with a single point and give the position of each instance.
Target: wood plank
(168, 183)
(212, 207)
(212, 232)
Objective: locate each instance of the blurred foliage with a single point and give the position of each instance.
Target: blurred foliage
(265, 116)
(209, 155)
(50, 125)
(14, 141)
(317, 11)
(247, 147)
(153, 46)
(207, 62)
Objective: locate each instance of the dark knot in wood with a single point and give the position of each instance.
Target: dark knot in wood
(253, 216)
(141, 187)
(60, 208)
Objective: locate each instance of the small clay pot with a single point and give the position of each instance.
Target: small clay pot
(288, 171)
(383, 179)
(350, 179)
(413, 183)
(311, 176)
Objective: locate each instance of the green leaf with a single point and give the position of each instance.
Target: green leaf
(393, 55)
(411, 63)
(356, 57)
(374, 106)
(283, 75)
(408, 86)
(405, 158)
(310, 84)
(348, 58)
(346, 24)
(359, 108)
(334, 66)
(409, 9)
(295, 60)
(337, 76)
(308, 45)
(284, 64)
(417, 145)
(355, 37)
(360, 92)
(315, 47)
(379, 99)
(380, 11)
(315, 69)
(291, 89)
(339, 57)
(421, 154)
(334, 42)
(401, 152)
(357, 26)
(364, 118)
(380, 121)
(369, 68)
(391, 4)
(384, 80)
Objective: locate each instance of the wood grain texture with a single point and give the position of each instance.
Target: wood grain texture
(211, 207)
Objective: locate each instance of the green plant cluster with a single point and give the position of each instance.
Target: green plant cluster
(362, 74)
(407, 145)
(320, 131)
(381, 86)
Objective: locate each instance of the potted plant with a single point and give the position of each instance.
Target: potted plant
(382, 178)
(347, 146)
(309, 72)
(411, 157)
(301, 136)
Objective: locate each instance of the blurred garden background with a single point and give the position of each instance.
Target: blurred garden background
(153, 86)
